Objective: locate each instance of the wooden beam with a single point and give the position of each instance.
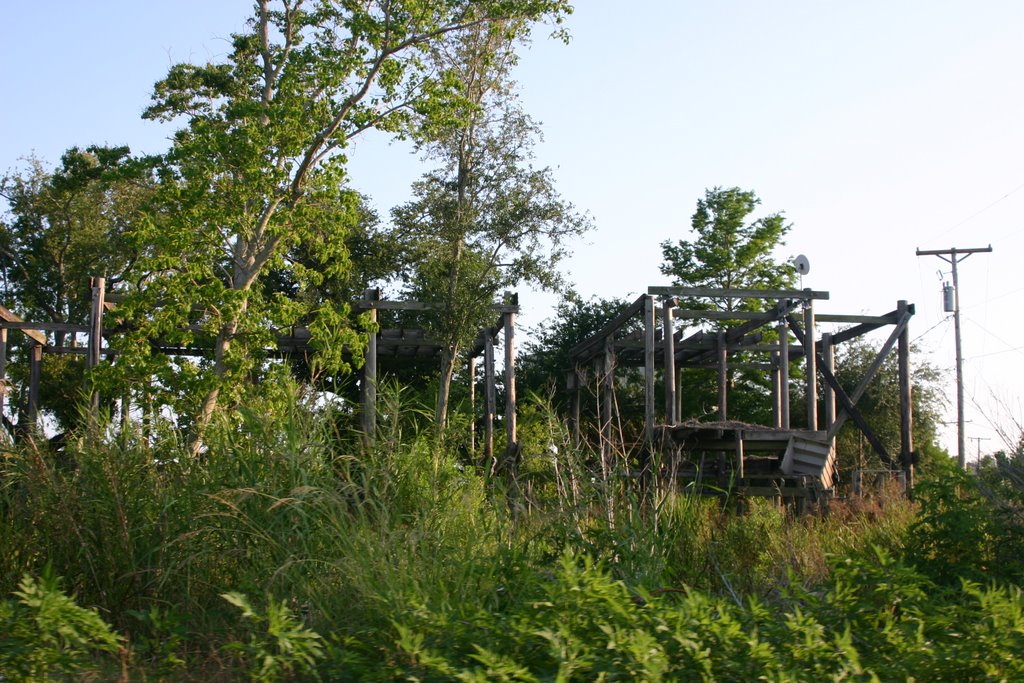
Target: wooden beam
(595, 342)
(811, 369)
(38, 328)
(688, 314)
(783, 374)
(714, 293)
(879, 320)
(35, 371)
(608, 405)
(723, 377)
(95, 355)
(9, 317)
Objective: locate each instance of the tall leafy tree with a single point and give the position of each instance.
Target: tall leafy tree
(485, 220)
(259, 166)
(62, 226)
(729, 250)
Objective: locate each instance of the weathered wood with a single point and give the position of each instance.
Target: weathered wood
(723, 377)
(850, 409)
(687, 314)
(776, 391)
(35, 371)
(9, 317)
(575, 394)
(95, 345)
(595, 342)
(370, 373)
(472, 404)
(510, 382)
(649, 323)
(879, 320)
(783, 373)
(828, 359)
(906, 400)
(739, 456)
(668, 335)
(608, 405)
(811, 369)
(3, 369)
(489, 399)
(714, 293)
(35, 330)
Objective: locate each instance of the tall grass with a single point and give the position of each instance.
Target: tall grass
(407, 558)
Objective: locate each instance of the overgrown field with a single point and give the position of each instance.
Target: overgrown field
(291, 552)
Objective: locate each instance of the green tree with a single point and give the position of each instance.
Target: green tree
(61, 227)
(728, 250)
(259, 167)
(485, 220)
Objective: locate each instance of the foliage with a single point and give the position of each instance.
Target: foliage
(44, 633)
(880, 405)
(63, 226)
(485, 220)
(258, 171)
(279, 645)
(729, 251)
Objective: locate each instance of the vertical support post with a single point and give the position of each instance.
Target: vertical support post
(472, 405)
(906, 399)
(649, 323)
(961, 438)
(669, 345)
(783, 369)
(740, 474)
(776, 391)
(3, 368)
(510, 380)
(828, 355)
(99, 287)
(572, 383)
(608, 404)
(812, 365)
(370, 373)
(35, 370)
(490, 398)
(723, 378)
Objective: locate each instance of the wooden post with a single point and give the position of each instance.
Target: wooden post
(35, 370)
(739, 457)
(723, 378)
(490, 398)
(3, 368)
(608, 403)
(858, 483)
(510, 381)
(783, 369)
(669, 344)
(776, 391)
(472, 405)
(649, 370)
(94, 356)
(370, 373)
(906, 399)
(573, 385)
(829, 358)
(812, 369)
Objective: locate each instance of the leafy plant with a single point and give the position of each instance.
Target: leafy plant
(279, 645)
(43, 632)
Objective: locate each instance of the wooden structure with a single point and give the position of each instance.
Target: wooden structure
(748, 458)
(386, 344)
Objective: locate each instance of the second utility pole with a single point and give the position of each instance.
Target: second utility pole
(955, 256)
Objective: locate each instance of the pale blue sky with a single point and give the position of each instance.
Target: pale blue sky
(878, 127)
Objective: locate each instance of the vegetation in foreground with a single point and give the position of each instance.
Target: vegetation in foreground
(289, 552)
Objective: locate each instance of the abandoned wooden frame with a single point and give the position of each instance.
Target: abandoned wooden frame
(407, 343)
(667, 348)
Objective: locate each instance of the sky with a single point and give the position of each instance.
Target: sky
(877, 127)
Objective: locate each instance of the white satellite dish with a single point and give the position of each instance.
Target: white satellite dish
(803, 266)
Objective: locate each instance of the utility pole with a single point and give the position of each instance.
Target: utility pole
(954, 256)
(977, 460)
